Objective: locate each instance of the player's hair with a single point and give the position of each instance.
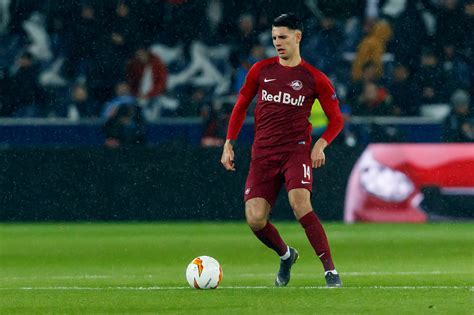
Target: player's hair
(289, 20)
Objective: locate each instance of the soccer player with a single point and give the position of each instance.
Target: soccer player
(286, 87)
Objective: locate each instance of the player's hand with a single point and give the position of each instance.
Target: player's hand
(318, 158)
(227, 158)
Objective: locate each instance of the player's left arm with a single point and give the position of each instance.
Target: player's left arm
(330, 105)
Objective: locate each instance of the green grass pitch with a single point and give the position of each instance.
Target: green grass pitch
(139, 268)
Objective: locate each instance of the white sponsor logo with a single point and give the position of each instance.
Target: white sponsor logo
(296, 85)
(268, 80)
(247, 191)
(284, 98)
(334, 96)
(304, 183)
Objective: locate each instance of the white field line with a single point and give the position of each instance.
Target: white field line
(79, 277)
(154, 288)
(243, 275)
(375, 273)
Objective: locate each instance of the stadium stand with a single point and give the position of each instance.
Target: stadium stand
(61, 60)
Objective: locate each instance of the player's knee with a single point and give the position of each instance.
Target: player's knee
(301, 207)
(255, 219)
(256, 225)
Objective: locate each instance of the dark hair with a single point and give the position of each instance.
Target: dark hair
(289, 20)
(26, 55)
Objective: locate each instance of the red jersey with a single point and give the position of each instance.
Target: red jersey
(285, 96)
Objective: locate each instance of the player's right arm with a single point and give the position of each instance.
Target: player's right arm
(330, 105)
(247, 93)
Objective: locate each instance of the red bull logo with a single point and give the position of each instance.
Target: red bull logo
(284, 98)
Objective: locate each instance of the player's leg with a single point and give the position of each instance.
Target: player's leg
(261, 189)
(298, 181)
(257, 211)
(300, 201)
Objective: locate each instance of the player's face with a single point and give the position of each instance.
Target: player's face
(286, 41)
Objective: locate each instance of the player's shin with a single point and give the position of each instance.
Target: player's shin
(269, 236)
(317, 237)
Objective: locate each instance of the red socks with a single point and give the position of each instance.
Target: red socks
(317, 237)
(314, 231)
(270, 237)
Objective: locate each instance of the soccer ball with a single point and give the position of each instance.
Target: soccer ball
(204, 272)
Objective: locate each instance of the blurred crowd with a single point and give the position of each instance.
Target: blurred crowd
(183, 58)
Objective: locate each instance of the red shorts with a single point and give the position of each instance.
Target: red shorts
(267, 174)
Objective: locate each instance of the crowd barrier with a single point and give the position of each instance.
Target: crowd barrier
(170, 182)
(55, 169)
(63, 132)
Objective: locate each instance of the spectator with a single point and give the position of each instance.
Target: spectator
(125, 128)
(122, 97)
(19, 11)
(405, 98)
(215, 117)
(327, 43)
(448, 29)
(58, 42)
(408, 44)
(124, 27)
(109, 66)
(429, 80)
(81, 106)
(195, 100)
(147, 76)
(5, 104)
(455, 69)
(244, 39)
(352, 8)
(257, 53)
(467, 41)
(372, 48)
(124, 124)
(23, 87)
(59, 26)
(459, 125)
(84, 40)
(247, 37)
(467, 50)
(374, 101)
(97, 39)
(184, 21)
(369, 74)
